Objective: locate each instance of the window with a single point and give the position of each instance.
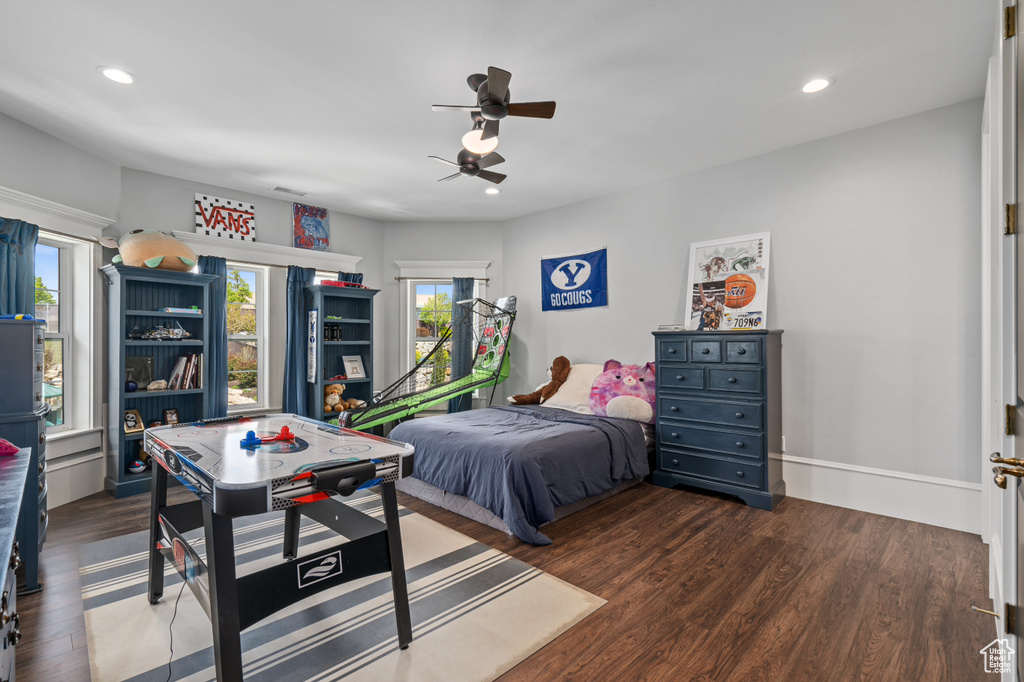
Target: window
(433, 315)
(322, 275)
(54, 303)
(246, 313)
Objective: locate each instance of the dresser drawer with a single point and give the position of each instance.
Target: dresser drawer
(733, 443)
(746, 351)
(735, 380)
(675, 377)
(671, 350)
(723, 470)
(706, 351)
(744, 415)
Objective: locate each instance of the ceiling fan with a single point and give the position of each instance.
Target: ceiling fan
(492, 98)
(472, 165)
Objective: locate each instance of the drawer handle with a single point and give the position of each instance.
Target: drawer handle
(739, 474)
(674, 435)
(42, 437)
(739, 415)
(39, 340)
(739, 444)
(42, 516)
(680, 377)
(741, 351)
(671, 351)
(41, 467)
(42, 484)
(39, 396)
(706, 351)
(732, 380)
(675, 462)
(674, 408)
(39, 367)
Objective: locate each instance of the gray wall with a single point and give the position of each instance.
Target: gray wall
(41, 165)
(874, 257)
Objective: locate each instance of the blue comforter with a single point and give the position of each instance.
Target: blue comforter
(520, 462)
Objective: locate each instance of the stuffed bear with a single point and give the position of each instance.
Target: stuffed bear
(559, 371)
(152, 249)
(624, 391)
(332, 398)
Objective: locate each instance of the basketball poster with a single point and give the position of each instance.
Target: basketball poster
(729, 283)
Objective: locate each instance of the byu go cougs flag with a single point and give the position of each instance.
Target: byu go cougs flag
(569, 282)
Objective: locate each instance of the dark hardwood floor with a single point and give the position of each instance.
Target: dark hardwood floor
(699, 587)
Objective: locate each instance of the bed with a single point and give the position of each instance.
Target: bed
(517, 468)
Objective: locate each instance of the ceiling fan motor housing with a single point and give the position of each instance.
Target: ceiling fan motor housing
(493, 111)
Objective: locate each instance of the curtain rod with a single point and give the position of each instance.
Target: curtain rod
(443, 279)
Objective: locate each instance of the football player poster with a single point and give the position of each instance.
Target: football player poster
(729, 283)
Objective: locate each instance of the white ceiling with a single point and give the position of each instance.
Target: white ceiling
(333, 98)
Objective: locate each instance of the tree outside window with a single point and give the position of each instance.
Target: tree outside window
(434, 316)
(243, 339)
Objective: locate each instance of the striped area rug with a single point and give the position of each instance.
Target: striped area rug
(476, 612)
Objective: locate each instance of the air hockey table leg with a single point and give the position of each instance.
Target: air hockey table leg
(292, 521)
(156, 560)
(398, 581)
(224, 615)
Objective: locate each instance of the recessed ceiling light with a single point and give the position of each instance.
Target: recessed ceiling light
(117, 75)
(492, 190)
(817, 85)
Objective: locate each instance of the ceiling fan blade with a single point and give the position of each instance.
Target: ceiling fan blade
(450, 163)
(491, 176)
(490, 130)
(532, 109)
(497, 83)
(492, 159)
(454, 107)
(450, 177)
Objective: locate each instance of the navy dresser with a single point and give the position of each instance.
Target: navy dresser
(13, 472)
(23, 422)
(719, 413)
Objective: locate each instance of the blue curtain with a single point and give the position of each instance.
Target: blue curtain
(294, 400)
(354, 277)
(18, 241)
(217, 355)
(462, 342)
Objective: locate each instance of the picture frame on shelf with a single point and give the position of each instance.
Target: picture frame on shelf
(353, 366)
(171, 415)
(133, 422)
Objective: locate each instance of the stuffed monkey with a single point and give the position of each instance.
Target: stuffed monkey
(559, 373)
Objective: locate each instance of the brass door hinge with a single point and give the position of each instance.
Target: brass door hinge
(1011, 420)
(1009, 22)
(1011, 619)
(1011, 219)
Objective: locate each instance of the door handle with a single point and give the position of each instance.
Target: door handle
(996, 459)
(1002, 472)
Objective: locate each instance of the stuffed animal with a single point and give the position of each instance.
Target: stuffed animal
(152, 249)
(624, 391)
(332, 398)
(559, 371)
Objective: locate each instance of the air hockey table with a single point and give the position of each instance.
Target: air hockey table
(254, 465)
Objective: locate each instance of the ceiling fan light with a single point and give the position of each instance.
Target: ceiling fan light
(472, 142)
(492, 190)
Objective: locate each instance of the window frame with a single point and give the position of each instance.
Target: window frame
(260, 337)
(65, 326)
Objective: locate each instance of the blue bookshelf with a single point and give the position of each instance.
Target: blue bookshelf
(136, 298)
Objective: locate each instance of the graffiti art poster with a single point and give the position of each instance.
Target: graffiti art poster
(225, 218)
(312, 227)
(729, 283)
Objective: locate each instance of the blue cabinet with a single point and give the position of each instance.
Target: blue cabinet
(23, 413)
(13, 474)
(719, 413)
(140, 301)
(343, 328)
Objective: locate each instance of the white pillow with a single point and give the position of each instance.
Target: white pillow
(574, 394)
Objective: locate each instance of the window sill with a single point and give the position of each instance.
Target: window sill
(71, 442)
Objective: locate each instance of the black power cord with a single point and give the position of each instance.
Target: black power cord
(171, 632)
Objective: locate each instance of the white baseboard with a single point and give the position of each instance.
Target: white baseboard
(74, 477)
(926, 499)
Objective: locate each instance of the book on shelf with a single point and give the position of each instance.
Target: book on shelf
(187, 373)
